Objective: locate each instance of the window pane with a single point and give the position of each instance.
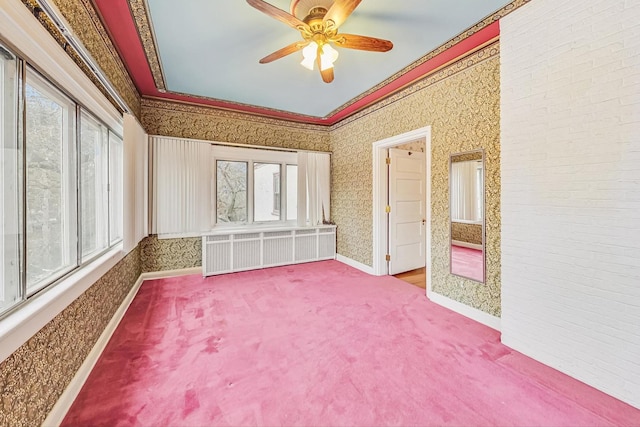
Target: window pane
(292, 192)
(93, 186)
(9, 183)
(50, 190)
(115, 188)
(266, 192)
(231, 191)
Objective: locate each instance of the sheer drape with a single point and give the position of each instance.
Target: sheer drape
(182, 186)
(464, 194)
(314, 175)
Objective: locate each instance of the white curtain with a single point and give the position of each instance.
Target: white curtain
(181, 187)
(314, 192)
(136, 217)
(464, 194)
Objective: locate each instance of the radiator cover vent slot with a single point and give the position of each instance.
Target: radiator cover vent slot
(226, 252)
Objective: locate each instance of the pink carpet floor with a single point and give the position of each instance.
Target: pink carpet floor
(320, 344)
(467, 262)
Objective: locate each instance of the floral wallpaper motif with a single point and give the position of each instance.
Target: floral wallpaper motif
(86, 25)
(170, 254)
(461, 104)
(463, 35)
(470, 233)
(140, 16)
(212, 124)
(34, 376)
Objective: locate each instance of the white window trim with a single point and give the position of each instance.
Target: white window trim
(26, 35)
(251, 156)
(33, 314)
(101, 183)
(2, 222)
(68, 178)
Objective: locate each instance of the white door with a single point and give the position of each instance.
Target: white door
(407, 210)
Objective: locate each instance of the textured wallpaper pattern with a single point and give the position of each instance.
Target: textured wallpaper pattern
(211, 124)
(461, 104)
(170, 254)
(86, 25)
(34, 376)
(470, 233)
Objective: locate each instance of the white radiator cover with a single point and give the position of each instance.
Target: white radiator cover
(228, 251)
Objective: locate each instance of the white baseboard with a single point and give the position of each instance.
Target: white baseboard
(355, 264)
(170, 273)
(60, 409)
(65, 401)
(470, 312)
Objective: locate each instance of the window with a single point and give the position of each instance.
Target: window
(254, 186)
(115, 187)
(60, 192)
(266, 192)
(10, 290)
(94, 173)
(231, 191)
(50, 183)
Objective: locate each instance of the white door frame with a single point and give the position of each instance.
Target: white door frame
(380, 192)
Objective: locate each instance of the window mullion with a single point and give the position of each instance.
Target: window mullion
(22, 149)
(79, 225)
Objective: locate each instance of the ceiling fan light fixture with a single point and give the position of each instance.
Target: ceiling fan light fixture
(309, 56)
(328, 57)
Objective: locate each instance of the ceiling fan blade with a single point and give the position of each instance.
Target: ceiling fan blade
(353, 41)
(287, 50)
(327, 75)
(340, 11)
(278, 14)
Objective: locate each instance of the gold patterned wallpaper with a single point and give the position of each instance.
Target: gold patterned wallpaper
(188, 121)
(461, 104)
(470, 233)
(170, 254)
(86, 25)
(34, 376)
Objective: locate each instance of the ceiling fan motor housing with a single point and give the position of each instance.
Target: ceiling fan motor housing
(302, 9)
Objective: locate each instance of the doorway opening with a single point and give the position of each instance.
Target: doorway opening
(381, 191)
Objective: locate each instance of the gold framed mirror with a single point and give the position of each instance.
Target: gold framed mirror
(467, 215)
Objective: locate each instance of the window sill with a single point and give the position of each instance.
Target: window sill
(259, 228)
(31, 316)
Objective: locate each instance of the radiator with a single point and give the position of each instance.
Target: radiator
(227, 251)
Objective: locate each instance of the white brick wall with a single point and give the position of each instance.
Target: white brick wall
(570, 135)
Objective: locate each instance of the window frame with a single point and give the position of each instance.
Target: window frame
(28, 74)
(83, 113)
(251, 156)
(3, 218)
(68, 181)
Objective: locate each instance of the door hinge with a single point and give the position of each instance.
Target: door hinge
(387, 209)
(387, 257)
(388, 160)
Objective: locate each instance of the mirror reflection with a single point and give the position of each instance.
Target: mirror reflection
(466, 178)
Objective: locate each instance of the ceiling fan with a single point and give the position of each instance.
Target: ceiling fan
(318, 22)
